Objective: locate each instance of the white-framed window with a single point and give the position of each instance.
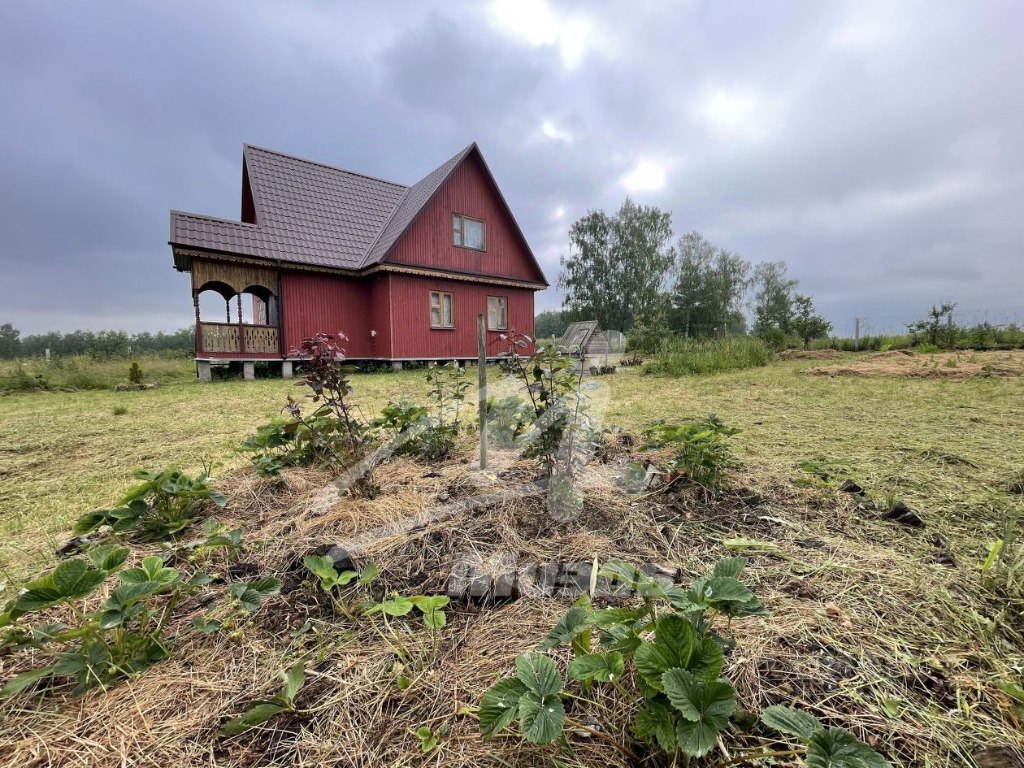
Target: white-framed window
(442, 310)
(497, 313)
(467, 232)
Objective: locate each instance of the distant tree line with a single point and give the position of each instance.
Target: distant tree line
(625, 271)
(98, 344)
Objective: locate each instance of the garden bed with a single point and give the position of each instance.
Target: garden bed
(917, 679)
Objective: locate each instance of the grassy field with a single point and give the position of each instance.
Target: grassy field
(946, 447)
(867, 627)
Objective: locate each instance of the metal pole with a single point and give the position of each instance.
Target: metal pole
(856, 334)
(481, 343)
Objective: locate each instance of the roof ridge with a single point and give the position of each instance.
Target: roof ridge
(384, 226)
(455, 160)
(323, 165)
(205, 217)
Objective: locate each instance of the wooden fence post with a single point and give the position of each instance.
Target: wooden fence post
(481, 343)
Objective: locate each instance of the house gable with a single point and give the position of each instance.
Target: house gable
(469, 190)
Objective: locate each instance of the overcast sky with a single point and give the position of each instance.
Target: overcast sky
(876, 147)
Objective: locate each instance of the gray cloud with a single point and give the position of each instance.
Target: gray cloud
(876, 147)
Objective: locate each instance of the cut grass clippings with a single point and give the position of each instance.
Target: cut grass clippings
(867, 629)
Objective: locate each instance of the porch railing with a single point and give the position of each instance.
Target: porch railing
(234, 338)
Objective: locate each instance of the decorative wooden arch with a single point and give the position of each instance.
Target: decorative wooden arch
(239, 277)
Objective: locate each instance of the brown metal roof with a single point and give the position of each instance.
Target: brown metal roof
(314, 214)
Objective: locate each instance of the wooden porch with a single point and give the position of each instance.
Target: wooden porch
(238, 340)
(237, 337)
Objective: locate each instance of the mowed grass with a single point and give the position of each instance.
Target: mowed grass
(65, 453)
(947, 448)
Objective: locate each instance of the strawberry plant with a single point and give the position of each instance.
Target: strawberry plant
(322, 567)
(402, 421)
(700, 451)
(244, 599)
(260, 711)
(163, 505)
(430, 608)
(120, 639)
(666, 656)
(430, 739)
(825, 747)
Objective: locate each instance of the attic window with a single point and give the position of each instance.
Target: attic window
(467, 232)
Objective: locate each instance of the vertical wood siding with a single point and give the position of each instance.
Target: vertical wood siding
(413, 336)
(313, 302)
(380, 316)
(469, 192)
(398, 308)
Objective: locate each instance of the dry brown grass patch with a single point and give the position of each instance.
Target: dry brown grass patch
(810, 354)
(956, 366)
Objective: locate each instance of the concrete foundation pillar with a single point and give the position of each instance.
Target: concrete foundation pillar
(396, 365)
(203, 370)
(248, 370)
(287, 369)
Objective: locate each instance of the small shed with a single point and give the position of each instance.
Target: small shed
(593, 341)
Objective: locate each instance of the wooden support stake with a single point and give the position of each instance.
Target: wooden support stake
(481, 343)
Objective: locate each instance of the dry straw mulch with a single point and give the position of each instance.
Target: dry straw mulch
(864, 629)
(810, 354)
(956, 366)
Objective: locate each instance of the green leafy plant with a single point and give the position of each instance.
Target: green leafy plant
(448, 387)
(163, 505)
(260, 711)
(430, 607)
(402, 419)
(825, 747)
(701, 453)
(664, 654)
(533, 697)
(507, 419)
(330, 435)
(552, 382)
(219, 537)
(323, 568)
(244, 599)
(430, 739)
(120, 639)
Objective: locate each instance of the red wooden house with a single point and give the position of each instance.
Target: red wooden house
(402, 271)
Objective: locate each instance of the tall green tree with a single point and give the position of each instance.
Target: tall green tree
(10, 341)
(707, 291)
(617, 265)
(806, 322)
(773, 300)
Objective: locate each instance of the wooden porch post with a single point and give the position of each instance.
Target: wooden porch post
(241, 330)
(199, 325)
